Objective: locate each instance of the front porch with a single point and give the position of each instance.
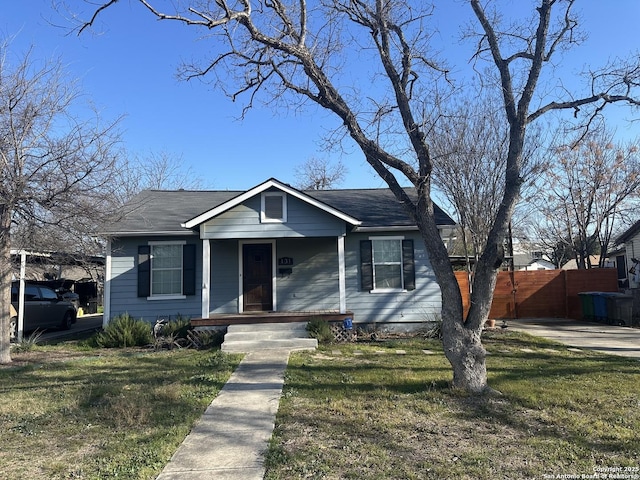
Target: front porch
(226, 319)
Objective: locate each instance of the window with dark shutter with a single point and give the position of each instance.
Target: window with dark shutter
(166, 269)
(144, 270)
(387, 264)
(366, 265)
(408, 265)
(189, 269)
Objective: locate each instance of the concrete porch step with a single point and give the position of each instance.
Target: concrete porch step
(270, 331)
(250, 338)
(269, 327)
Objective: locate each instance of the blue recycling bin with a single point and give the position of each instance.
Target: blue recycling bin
(600, 312)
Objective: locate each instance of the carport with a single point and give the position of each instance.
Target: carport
(26, 258)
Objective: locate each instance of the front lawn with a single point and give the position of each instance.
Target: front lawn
(385, 411)
(77, 413)
(381, 410)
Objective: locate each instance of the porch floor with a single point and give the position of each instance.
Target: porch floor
(223, 319)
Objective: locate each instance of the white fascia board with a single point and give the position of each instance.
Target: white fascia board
(261, 188)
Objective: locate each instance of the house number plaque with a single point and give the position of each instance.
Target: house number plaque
(285, 261)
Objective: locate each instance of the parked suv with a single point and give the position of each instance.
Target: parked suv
(43, 308)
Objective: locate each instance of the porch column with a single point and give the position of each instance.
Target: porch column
(206, 276)
(342, 275)
(106, 299)
(23, 271)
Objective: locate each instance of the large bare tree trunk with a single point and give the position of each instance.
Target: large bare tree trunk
(463, 348)
(461, 338)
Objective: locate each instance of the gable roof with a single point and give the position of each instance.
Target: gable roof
(271, 183)
(168, 212)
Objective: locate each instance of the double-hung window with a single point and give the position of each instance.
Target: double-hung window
(166, 270)
(387, 264)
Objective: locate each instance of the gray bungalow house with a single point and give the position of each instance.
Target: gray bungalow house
(216, 256)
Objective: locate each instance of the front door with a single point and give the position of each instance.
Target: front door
(257, 274)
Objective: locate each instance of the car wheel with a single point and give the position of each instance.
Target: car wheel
(13, 329)
(67, 321)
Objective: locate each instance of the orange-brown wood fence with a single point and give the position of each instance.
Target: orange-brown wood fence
(543, 293)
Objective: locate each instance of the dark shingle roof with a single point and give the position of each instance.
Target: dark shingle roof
(163, 211)
(374, 207)
(628, 234)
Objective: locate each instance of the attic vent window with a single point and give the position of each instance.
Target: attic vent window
(274, 208)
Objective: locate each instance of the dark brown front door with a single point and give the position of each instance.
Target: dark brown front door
(257, 277)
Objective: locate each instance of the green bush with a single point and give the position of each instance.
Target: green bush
(125, 331)
(177, 328)
(320, 330)
(28, 343)
(208, 338)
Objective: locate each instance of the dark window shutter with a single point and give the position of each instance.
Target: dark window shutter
(144, 270)
(408, 265)
(189, 269)
(366, 265)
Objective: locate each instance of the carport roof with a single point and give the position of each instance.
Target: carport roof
(163, 212)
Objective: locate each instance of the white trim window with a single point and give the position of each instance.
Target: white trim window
(387, 264)
(166, 269)
(273, 207)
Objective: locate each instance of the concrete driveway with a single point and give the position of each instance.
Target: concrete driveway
(83, 324)
(624, 341)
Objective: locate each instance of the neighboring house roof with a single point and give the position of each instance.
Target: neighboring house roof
(538, 264)
(631, 232)
(168, 212)
(573, 265)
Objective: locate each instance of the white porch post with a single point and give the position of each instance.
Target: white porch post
(342, 275)
(206, 276)
(23, 271)
(106, 300)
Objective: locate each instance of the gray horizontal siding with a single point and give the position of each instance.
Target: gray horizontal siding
(243, 221)
(313, 282)
(124, 284)
(417, 305)
(223, 296)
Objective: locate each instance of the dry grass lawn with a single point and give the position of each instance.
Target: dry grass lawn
(385, 411)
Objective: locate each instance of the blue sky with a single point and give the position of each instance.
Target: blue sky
(127, 67)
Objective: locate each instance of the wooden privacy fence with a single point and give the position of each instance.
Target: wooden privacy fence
(543, 293)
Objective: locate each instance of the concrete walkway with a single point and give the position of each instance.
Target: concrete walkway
(229, 441)
(624, 341)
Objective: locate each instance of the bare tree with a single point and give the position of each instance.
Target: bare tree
(469, 147)
(56, 168)
(590, 189)
(319, 174)
(157, 171)
(297, 52)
